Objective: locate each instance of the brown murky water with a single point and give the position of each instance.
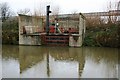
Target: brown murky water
(0, 62)
(59, 62)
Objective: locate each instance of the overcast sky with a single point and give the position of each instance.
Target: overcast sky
(66, 6)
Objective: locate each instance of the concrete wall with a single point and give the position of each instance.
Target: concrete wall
(31, 25)
(76, 40)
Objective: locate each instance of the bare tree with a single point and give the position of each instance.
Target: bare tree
(118, 6)
(55, 10)
(113, 9)
(38, 12)
(24, 11)
(75, 14)
(40, 9)
(5, 11)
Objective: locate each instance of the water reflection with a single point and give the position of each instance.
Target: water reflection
(0, 61)
(102, 62)
(59, 62)
(10, 61)
(51, 61)
(32, 61)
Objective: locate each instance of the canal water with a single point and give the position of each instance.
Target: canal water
(59, 62)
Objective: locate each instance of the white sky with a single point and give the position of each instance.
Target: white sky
(66, 6)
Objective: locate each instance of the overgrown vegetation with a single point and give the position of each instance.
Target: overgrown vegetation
(9, 25)
(102, 36)
(10, 33)
(104, 31)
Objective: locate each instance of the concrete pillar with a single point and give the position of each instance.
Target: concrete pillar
(75, 40)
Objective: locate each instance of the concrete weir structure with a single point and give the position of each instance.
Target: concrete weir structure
(70, 32)
(29, 29)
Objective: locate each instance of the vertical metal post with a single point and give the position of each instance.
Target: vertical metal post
(47, 19)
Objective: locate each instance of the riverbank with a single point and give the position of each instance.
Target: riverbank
(102, 36)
